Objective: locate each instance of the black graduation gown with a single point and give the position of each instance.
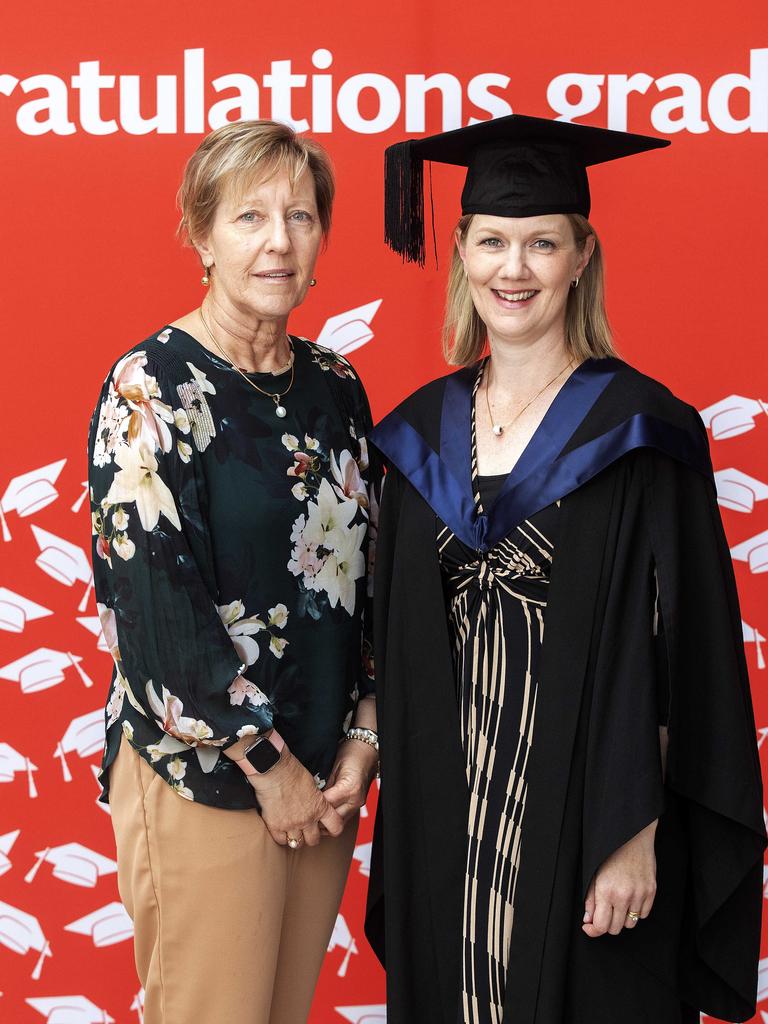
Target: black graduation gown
(631, 465)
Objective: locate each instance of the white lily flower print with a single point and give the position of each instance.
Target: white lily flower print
(171, 719)
(113, 424)
(241, 630)
(348, 481)
(327, 517)
(343, 566)
(149, 415)
(137, 481)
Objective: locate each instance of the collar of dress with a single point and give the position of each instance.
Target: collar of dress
(544, 473)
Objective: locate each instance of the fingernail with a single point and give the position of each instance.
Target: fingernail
(587, 917)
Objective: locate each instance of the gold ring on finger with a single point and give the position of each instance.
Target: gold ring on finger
(633, 915)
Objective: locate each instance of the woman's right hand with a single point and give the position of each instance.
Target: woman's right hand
(292, 805)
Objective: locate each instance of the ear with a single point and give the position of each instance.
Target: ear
(586, 256)
(461, 246)
(204, 252)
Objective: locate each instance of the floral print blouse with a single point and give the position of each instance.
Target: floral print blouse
(231, 553)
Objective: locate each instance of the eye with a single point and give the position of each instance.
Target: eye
(490, 243)
(248, 217)
(302, 216)
(544, 245)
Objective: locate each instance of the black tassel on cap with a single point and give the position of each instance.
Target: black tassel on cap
(404, 202)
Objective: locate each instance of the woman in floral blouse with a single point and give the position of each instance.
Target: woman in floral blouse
(233, 504)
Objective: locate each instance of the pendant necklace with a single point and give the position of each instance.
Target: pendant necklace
(276, 396)
(499, 428)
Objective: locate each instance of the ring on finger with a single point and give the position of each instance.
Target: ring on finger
(633, 916)
(293, 842)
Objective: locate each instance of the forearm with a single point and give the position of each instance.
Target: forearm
(365, 714)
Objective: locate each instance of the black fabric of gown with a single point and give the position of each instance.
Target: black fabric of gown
(648, 513)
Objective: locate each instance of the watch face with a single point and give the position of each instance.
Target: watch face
(262, 755)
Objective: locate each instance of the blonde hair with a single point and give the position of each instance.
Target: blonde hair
(236, 155)
(587, 331)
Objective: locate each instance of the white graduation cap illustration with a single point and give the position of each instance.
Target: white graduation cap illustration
(138, 1005)
(754, 552)
(342, 937)
(754, 636)
(29, 493)
(347, 331)
(11, 762)
(738, 491)
(762, 980)
(93, 624)
(732, 416)
(63, 561)
(6, 845)
(363, 855)
(42, 669)
(81, 497)
(105, 926)
(376, 1014)
(70, 1010)
(73, 863)
(21, 932)
(16, 611)
(85, 735)
(761, 737)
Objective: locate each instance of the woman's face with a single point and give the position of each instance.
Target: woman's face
(519, 271)
(263, 246)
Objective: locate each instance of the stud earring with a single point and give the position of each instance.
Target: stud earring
(313, 282)
(205, 279)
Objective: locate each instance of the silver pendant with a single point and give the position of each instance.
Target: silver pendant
(280, 411)
(498, 429)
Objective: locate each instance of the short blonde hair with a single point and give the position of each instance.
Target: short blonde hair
(240, 153)
(587, 331)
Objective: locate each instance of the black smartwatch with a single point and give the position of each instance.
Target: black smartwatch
(263, 754)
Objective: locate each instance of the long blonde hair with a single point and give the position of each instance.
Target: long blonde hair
(587, 331)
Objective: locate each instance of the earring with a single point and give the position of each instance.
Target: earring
(205, 279)
(313, 282)
(575, 283)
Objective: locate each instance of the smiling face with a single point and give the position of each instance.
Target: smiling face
(520, 271)
(263, 245)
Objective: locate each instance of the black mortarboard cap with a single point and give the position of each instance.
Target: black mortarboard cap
(517, 166)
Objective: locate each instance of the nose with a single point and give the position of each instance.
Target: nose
(279, 240)
(515, 266)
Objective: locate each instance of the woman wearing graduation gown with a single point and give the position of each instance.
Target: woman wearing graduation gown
(570, 828)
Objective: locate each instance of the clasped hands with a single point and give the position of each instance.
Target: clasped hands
(293, 806)
(624, 884)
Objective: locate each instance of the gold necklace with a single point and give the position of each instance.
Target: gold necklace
(499, 428)
(280, 409)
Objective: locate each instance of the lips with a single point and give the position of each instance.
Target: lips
(274, 275)
(515, 300)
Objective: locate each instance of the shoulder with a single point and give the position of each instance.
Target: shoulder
(425, 403)
(159, 354)
(634, 392)
(328, 360)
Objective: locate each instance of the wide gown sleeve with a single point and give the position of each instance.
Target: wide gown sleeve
(713, 766)
(179, 663)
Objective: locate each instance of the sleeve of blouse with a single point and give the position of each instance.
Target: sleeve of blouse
(373, 472)
(181, 665)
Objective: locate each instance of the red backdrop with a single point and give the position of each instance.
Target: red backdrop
(89, 164)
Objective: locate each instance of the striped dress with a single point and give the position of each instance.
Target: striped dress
(496, 606)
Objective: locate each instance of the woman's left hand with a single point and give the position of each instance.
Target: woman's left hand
(351, 776)
(625, 882)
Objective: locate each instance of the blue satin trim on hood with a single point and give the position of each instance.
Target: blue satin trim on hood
(541, 476)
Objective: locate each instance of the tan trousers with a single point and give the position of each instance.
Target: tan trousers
(230, 928)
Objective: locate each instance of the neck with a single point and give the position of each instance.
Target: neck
(519, 368)
(253, 344)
